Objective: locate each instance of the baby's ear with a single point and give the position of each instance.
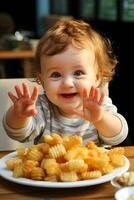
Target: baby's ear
(98, 80)
(41, 80)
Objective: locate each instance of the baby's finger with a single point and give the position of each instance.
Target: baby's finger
(30, 111)
(96, 94)
(92, 93)
(101, 100)
(26, 90)
(12, 97)
(85, 93)
(85, 96)
(18, 91)
(35, 93)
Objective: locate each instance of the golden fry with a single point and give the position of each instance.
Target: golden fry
(65, 159)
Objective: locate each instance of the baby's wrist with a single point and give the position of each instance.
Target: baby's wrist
(99, 120)
(14, 120)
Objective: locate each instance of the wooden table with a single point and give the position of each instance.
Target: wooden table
(105, 191)
(26, 56)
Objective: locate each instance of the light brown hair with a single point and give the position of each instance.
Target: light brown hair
(81, 35)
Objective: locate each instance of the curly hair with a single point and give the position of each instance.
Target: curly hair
(81, 35)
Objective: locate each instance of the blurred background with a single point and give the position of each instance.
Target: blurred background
(22, 23)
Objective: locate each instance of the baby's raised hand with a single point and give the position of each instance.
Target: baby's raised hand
(24, 103)
(92, 105)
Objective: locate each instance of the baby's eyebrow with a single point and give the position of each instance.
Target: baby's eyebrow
(53, 69)
(77, 66)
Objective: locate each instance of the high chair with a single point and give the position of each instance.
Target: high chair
(7, 85)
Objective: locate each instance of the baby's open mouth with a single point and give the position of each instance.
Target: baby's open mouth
(69, 95)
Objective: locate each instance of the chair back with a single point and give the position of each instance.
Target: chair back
(7, 85)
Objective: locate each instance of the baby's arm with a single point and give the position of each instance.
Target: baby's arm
(108, 124)
(23, 107)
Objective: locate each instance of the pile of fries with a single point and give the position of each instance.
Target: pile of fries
(65, 159)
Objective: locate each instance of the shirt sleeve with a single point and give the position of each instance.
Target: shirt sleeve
(18, 134)
(121, 136)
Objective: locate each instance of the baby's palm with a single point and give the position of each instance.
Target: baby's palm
(92, 111)
(24, 107)
(24, 103)
(92, 105)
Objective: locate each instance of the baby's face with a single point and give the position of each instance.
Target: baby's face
(66, 74)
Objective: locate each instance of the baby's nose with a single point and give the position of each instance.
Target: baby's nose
(68, 81)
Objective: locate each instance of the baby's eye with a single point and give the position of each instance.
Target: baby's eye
(55, 75)
(78, 73)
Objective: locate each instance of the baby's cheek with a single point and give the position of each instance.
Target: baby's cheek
(84, 85)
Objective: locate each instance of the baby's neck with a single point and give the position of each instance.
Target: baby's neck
(67, 114)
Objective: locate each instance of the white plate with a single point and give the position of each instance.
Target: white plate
(7, 174)
(115, 183)
(124, 193)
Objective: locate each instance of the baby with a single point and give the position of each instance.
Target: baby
(73, 63)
